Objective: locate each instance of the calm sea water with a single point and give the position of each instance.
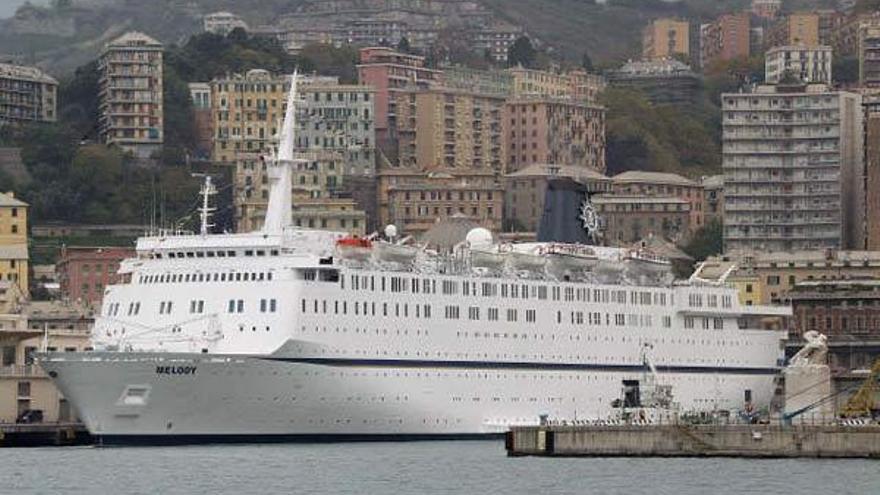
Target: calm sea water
(479, 467)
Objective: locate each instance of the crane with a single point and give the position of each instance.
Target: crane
(862, 404)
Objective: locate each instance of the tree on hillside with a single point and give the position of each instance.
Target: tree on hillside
(587, 62)
(521, 52)
(866, 6)
(706, 241)
(403, 45)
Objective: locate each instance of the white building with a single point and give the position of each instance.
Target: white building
(222, 23)
(792, 169)
(810, 64)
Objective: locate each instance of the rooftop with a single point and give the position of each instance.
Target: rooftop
(9, 199)
(26, 73)
(651, 68)
(636, 198)
(713, 181)
(638, 176)
(134, 39)
(553, 170)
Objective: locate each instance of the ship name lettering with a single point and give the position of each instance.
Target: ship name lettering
(175, 370)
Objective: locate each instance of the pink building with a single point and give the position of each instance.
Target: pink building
(544, 130)
(389, 71)
(84, 272)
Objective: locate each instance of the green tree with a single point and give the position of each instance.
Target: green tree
(706, 241)
(587, 62)
(521, 52)
(403, 45)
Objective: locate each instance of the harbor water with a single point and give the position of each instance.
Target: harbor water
(463, 467)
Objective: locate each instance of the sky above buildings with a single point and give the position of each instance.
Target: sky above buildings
(7, 7)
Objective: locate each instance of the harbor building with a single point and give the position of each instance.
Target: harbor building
(660, 184)
(664, 38)
(130, 94)
(726, 38)
(27, 94)
(808, 64)
(84, 272)
(792, 161)
(525, 190)
(551, 130)
(28, 327)
(666, 81)
(13, 241)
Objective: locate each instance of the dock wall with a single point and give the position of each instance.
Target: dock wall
(696, 441)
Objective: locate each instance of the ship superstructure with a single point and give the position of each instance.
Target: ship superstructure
(296, 333)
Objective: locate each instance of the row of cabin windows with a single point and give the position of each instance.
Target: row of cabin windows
(171, 278)
(196, 306)
(696, 301)
(397, 284)
(365, 308)
(716, 323)
(215, 254)
(266, 306)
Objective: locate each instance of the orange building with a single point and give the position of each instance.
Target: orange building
(725, 38)
(84, 272)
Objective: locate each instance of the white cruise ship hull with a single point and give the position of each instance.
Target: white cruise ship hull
(161, 398)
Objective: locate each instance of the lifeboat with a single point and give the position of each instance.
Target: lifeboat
(569, 259)
(394, 253)
(528, 262)
(354, 248)
(645, 262)
(488, 258)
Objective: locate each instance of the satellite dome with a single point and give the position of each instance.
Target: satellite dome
(479, 237)
(390, 231)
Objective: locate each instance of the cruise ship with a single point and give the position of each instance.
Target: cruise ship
(289, 333)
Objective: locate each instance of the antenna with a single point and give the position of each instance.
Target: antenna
(206, 210)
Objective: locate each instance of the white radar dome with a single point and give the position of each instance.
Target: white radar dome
(479, 237)
(390, 231)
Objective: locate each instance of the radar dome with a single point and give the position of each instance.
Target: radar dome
(390, 231)
(479, 237)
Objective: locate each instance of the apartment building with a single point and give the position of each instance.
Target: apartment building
(448, 129)
(807, 64)
(130, 94)
(713, 199)
(578, 84)
(660, 184)
(222, 23)
(792, 160)
(390, 72)
(630, 218)
(766, 9)
(27, 94)
(725, 38)
(335, 134)
(553, 130)
(664, 38)
(84, 272)
(13, 241)
(796, 28)
(871, 108)
(869, 55)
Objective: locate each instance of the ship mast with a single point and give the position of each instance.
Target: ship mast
(205, 210)
(278, 212)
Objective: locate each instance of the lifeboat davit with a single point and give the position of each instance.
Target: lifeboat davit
(570, 259)
(395, 253)
(354, 248)
(642, 261)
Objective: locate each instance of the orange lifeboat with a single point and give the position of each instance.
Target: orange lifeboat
(354, 248)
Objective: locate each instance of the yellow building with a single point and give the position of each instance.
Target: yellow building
(766, 278)
(443, 128)
(664, 38)
(35, 326)
(577, 84)
(337, 214)
(13, 241)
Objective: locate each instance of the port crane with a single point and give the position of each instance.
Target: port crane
(862, 404)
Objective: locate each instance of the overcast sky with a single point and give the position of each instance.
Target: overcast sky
(7, 7)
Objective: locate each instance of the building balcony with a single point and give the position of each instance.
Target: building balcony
(22, 371)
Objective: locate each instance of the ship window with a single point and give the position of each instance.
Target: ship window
(200, 254)
(231, 306)
(210, 254)
(261, 253)
(248, 252)
(274, 252)
(231, 254)
(511, 315)
(689, 322)
(269, 276)
(240, 306)
(190, 254)
(238, 277)
(262, 305)
(170, 255)
(221, 254)
(273, 305)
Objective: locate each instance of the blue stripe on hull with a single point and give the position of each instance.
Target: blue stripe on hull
(205, 439)
(502, 365)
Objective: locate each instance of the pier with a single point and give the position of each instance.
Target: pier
(682, 440)
(43, 434)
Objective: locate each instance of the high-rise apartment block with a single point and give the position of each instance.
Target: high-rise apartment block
(871, 106)
(442, 128)
(792, 161)
(544, 130)
(725, 38)
(665, 38)
(389, 72)
(808, 64)
(131, 113)
(797, 28)
(869, 55)
(27, 94)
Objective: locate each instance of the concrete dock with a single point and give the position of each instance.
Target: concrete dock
(43, 434)
(681, 440)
